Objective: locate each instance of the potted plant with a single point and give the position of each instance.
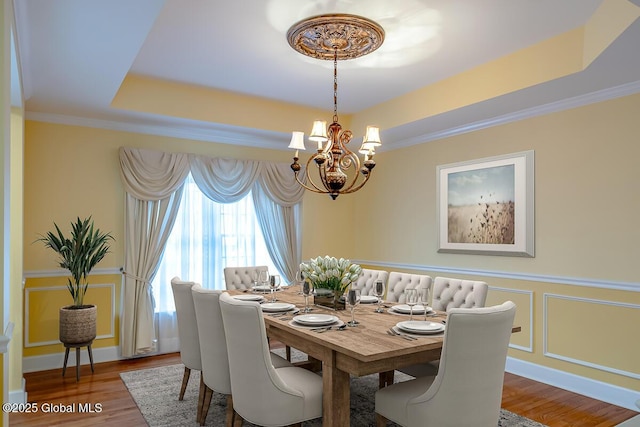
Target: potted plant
(330, 278)
(79, 253)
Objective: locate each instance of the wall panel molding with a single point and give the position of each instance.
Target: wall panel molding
(565, 358)
(528, 348)
(27, 294)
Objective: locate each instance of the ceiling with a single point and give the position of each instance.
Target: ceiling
(74, 55)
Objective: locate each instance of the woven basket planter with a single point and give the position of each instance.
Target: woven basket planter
(78, 324)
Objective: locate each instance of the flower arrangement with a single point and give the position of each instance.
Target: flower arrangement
(330, 273)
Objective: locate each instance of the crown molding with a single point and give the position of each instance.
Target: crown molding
(257, 138)
(175, 128)
(540, 110)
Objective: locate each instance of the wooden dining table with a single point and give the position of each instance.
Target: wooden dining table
(361, 350)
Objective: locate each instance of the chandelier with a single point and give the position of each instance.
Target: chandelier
(335, 37)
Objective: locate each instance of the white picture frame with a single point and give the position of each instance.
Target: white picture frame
(486, 206)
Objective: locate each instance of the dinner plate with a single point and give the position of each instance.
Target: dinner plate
(368, 299)
(315, 319)
(406, 309)
(420, 327)
(249, 297)
(263, 288)
(277, 306)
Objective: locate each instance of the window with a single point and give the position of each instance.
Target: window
(206, 237)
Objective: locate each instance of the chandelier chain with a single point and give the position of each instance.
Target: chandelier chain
(335, 84)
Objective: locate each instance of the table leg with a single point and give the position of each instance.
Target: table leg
(336, 395)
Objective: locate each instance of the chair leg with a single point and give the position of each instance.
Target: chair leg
(208, 394)
(230, 412)
(380, 420)
(287, 350)
(185, 380)
(201, 393)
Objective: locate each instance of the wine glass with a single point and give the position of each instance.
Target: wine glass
(411, 296)
(274, 282)
(307, 290)
(254, 278)
(423, 296)
(353, 299)
(263, 279)
(378, 291)
(299, 279)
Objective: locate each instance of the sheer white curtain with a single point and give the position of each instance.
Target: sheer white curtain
(153, 181)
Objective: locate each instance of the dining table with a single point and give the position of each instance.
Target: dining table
(364, 349)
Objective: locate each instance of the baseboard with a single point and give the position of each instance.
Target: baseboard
(633, 422)
(55, 361)
(19, 396)
(609, 393)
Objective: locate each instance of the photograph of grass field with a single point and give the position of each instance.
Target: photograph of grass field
(485, 206)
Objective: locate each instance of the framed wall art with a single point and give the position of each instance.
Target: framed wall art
(486, 206)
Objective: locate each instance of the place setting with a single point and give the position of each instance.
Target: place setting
(414, 329)
(278, 309)
(318, 322)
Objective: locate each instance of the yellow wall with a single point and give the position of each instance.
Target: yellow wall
(74, 171)
(586, 233)
(586, 203)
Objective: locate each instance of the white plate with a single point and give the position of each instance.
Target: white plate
(249, 297)
(264, 288)
(277, 306)
(420, 327)
(404, 308)
(368, 299)
(315, 319)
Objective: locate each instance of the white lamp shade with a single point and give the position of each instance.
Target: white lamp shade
(372, 137)
(297, 140)
(319, 131)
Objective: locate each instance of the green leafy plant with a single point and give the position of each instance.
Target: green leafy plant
(79, 253)
(330, 273)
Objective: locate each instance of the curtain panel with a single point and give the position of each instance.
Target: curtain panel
(154, 180)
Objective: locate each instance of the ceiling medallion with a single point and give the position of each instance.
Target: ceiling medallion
(321, 36)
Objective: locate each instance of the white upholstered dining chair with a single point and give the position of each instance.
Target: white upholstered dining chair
(450, 293)
(241, 277)
(467, 391)
(262, 393)
(454, 293)
(368, 278)
(187, 334)
(398, 282)
(213, 351)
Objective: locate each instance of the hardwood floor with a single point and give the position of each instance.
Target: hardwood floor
(545, 404)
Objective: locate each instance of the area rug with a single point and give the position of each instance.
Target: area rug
(155, 391)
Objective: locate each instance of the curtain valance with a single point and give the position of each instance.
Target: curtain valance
(154, 175)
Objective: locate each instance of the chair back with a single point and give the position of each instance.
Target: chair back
(467, 390)
(187, 324)
(398, 282)
(260, 395)
(213, 345)
(367, 279)
(241, 277)
(456, 293)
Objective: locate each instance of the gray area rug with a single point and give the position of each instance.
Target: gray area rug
(155, 391)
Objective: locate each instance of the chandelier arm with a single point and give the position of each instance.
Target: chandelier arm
(353, 190)
(306, 187)
(311, 181)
